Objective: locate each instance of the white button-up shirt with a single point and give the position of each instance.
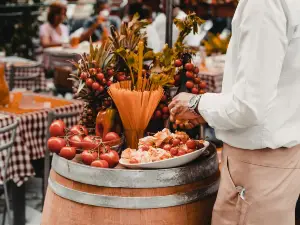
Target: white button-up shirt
(259, 106)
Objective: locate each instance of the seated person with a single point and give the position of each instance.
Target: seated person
(53, 32)
(98, 26)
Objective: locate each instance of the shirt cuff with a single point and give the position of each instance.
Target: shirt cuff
(208, 106)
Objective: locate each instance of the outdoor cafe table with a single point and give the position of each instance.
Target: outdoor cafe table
(30, 143)
(38, 84)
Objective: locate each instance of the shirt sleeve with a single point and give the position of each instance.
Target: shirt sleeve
(88, 23)
(262, 42)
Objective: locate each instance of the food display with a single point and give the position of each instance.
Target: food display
(161, 146)
(125, 85)
(94, 150)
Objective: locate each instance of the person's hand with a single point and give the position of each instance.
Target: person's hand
(181, 114)
(179, 107)
(100, 20)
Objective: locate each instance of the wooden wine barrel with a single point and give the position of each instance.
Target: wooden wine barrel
(83, 195)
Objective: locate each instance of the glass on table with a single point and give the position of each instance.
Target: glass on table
(74, 42)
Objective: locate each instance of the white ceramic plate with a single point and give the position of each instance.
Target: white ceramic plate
(168, 163)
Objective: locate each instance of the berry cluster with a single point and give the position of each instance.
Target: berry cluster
(192, 81)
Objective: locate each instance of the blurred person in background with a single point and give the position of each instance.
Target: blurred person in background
(145, 13)
(97, 27)
(159, 23)
(54, 32)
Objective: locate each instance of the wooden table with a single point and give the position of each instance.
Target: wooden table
(30, 143)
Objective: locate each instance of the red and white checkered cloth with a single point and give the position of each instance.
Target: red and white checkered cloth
(38, 83)
(30, 143)
(213, 80)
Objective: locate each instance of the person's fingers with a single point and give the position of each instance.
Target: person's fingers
(176, 110)
(195, 122)
(172, 118)
(189, 125)
(173, 104)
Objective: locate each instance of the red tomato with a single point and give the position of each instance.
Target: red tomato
(68, 152)
(202, 84)
(164, 98)
(89, 142)
(79, 130)
(75, 141)
(189, 84)
(196, 70)
(181, 152)
(201, 92)
(177, 77)
(167, 147)
(88, 157)
(99, 70)
(101, 88)
(178, 63)
(175, 142)
(100, 164)
(112, 157)
(157, 114)
(57, 128)
(100, 76)
(195, 91)
(110, 72)
(89, 82)
(111, 136)
(83, 76)
(174, 151)
(109, 83)
(121, 78)
(189, 66)
(189, 74)
(92, 71)
(197, 80)
(165, 109)
(55, 144)
(191, 144)
(95, 86)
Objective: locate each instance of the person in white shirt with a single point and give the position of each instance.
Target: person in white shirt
(257, 115)
(54, 32)
(153, 40)
(159, 23)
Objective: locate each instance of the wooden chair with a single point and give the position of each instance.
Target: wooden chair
(51, 117)
(7, 146)
(25, 73)
(62, 68)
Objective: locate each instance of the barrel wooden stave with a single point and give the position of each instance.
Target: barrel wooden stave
(60, 211)
(201, 176)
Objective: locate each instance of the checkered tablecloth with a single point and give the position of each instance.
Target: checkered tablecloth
(37, 84)
(30, 143)
(213, 80)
